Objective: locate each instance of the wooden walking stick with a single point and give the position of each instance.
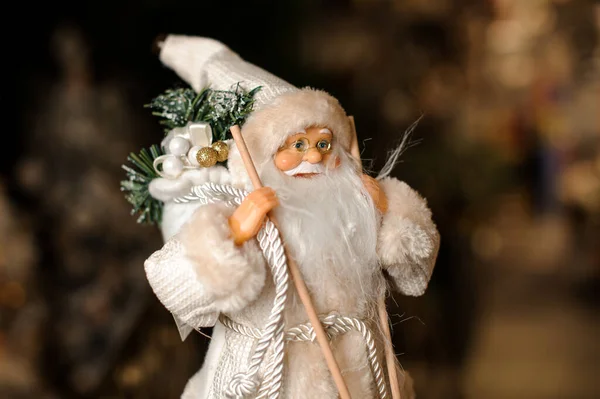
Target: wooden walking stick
(296, 276)
(381, 309)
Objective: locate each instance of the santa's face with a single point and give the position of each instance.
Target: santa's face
(307, 153)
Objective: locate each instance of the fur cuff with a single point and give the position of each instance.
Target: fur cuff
(233, 275)
(408, 241)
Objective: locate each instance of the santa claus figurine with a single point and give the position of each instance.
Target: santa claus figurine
(350, 235)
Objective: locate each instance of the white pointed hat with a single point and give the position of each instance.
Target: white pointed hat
(203, 62)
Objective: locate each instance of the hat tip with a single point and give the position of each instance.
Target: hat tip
(158, 43)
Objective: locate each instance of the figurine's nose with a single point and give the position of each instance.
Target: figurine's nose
(313, 156)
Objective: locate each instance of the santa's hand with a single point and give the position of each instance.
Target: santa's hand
(377, 194)
(247, 220)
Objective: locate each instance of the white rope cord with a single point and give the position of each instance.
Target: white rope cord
(270, 243)
(343, 324)
(246, 384)
(335, 325)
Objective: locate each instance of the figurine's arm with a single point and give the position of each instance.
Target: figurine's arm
(172, 278)
(408, 240)
(201, 271)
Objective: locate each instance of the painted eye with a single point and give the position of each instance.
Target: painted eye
(323, 145)
(300, 145)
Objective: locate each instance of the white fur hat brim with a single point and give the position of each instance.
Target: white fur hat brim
(268, 128)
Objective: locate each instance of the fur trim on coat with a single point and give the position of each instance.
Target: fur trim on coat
(233, 275)
(408, 241)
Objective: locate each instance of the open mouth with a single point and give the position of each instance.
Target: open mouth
(306, 175)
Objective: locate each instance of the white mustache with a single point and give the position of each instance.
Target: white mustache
(306, 167)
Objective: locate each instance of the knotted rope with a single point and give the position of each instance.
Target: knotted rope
(335, 325)
(247, 384)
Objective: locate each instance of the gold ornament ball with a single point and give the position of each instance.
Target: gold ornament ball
(206, 157)
(222, 150)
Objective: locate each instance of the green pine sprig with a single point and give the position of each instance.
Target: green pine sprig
(139, 176)
(176, 107)
(220, 108)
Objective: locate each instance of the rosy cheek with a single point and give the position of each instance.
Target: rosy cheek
(285, 161)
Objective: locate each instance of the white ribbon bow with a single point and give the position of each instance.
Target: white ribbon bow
(182, 144)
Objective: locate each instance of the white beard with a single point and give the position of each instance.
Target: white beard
(329, 225)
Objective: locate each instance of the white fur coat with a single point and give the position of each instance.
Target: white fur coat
(200, 273)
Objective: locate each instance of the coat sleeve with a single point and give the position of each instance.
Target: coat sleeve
(200, 272)
(408, 240)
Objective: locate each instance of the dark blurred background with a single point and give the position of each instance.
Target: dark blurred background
(507, 153)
